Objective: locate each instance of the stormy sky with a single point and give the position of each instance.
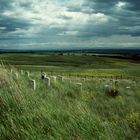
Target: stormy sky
(69, 24)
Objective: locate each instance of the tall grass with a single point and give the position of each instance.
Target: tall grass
(65, 112)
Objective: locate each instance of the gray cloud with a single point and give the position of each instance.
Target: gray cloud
(11, 24)
(38, 21)
(124, 17)
(4, 5)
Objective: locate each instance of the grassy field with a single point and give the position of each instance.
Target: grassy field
(74, 64)
(65, 111)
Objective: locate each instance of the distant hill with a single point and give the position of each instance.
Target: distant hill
(99, 51)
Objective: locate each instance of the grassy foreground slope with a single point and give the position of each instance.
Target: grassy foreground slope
(64, 111)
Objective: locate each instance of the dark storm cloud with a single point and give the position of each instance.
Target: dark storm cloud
(4, 5)
(134, 5)
(105, 4)
(26, 5)
(10, 24)
(124, 19)
(59, 20)
(108, 6)
(121, 20)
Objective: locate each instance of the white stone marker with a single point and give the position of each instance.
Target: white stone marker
(60, 78)
(47, 81)
(27, 73)
(32, 84)
(16, 75)
(53, 79)
(22, 72)
(79, 85)
(43, 75)
(128, 87)
(11, 70)
(107, 88)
